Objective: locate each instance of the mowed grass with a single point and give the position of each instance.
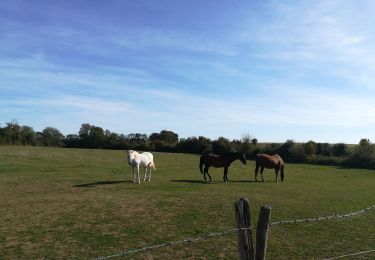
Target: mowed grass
(82, 204)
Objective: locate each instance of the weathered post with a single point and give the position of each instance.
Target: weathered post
(262, 232)
(244, 234)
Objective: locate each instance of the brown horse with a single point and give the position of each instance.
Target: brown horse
(218, 161)
(270, 162)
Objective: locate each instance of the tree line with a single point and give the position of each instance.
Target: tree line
(95, 137)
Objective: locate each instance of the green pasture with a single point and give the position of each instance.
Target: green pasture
(82, 204)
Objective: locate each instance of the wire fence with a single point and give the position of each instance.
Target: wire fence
(352, 254)
(233, 230)
(336, 216)
(172, 243)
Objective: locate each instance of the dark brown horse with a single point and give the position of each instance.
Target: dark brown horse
(218, 161)
(270, 162)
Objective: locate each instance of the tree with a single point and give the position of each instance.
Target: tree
(50, 136)
(72, 141)
(310, 148)
(363, 155)
(285, 150)
(323, 149)
(221, 145)
(194, 145)
(165, 136)
(27, 135)
(164, 141)
(91, 136)
(340, 150)
(11, 133)
(247, 144)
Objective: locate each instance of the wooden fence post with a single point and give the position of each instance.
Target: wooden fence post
(262, 232)
(244, 237)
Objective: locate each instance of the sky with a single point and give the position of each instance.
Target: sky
(272, 70)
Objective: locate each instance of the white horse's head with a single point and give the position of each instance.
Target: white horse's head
(130, 156)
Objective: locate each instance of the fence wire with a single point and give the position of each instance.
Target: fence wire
(172, 243)
(336, 216)
(229, 231)
(352, 254)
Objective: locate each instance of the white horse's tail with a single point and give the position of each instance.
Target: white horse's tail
(152, 164)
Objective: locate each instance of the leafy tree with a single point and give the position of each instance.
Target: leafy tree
(363, 155)
(11, 133)
(27, 135)
(323, 149)
(51, 136)
(340, 150)
(91, 136)
(164, 141)
(247, 145)
(165, 136)
(310, 148)
(285, 150)
(72, 141)
(222, 145)
(194, 145)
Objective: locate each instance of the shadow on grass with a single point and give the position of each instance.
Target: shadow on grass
(215, 182)
(94, 184)
(249, 181)
(193, 181)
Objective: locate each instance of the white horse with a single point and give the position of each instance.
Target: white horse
(144, 160)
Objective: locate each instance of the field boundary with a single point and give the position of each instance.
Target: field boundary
(233, 230)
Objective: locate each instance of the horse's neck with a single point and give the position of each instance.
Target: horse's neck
(232, 157)
(136, 155)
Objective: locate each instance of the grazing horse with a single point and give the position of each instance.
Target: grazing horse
(144, 160)
(269, 162)
(217, 161)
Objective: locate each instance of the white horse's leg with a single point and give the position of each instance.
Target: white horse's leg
(138, 179)
(144, 179)
(149, 173)
(133, 169)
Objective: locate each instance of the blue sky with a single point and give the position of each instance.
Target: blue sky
(274, 70)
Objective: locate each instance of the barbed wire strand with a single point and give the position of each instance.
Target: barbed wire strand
(353, 254)
(207, 236)
(171, 243)
(336, 216)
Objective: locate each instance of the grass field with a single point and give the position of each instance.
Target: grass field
(81, 204)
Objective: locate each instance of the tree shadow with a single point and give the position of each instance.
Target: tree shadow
(94, 184)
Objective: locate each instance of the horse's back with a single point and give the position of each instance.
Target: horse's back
(281, 161)
(214, 160)
(148, 155)
(269, 161)
(147, 159)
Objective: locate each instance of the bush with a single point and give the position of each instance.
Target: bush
(363, 156)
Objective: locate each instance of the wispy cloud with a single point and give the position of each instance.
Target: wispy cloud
(266, 66)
